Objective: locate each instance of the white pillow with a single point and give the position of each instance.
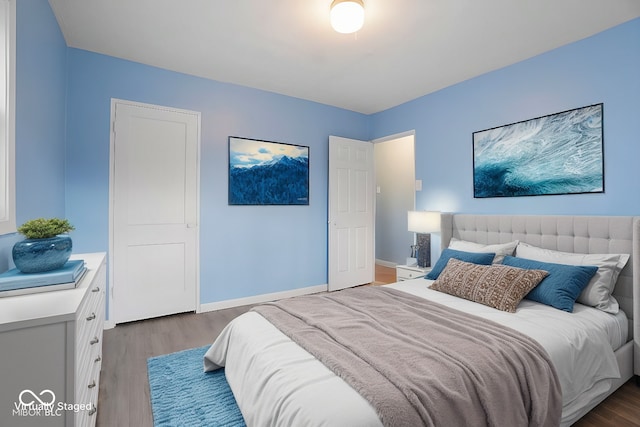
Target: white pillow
(500, 249)
(598, 292)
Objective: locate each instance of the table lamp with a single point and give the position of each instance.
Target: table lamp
(423, 223)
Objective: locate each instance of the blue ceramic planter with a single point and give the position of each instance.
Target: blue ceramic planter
(39, 255)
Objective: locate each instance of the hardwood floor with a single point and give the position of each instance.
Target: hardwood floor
(621, 409)
(124, 386)
(384, 275)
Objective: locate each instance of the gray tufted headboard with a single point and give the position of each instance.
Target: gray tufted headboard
(579, 234)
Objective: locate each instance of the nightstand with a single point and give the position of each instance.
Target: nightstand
(404, 272)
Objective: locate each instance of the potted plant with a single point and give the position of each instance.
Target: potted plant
(45, 247)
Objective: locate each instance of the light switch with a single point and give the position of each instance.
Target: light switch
(378, 189)
(418, 185)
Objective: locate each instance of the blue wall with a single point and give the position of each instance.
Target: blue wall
(603, 68)
(62, 138)
(244, 251)
(40, 118)
(40, 112)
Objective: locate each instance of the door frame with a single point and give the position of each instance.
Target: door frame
(110, 322)
(411, 133)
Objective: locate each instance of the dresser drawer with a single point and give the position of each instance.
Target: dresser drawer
(91, 330)
(92, 307)
(88, 349)
(89, 358)
(89, 384)
(88, 416)
(89, 327)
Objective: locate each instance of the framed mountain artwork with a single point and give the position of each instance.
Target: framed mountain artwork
(267, 173)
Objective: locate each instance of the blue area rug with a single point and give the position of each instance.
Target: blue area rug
(183, 395)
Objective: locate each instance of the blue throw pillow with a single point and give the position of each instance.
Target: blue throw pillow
(483, 258)
(561, 287)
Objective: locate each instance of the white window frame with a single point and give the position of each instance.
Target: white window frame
(7, 120)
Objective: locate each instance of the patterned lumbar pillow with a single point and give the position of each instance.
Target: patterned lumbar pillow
(498, 286)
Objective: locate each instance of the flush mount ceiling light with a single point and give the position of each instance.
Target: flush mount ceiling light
(347, 16)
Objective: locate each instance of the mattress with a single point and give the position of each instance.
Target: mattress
(276, 382)
(615, 327)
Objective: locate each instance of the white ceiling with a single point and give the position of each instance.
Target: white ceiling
(406, 49)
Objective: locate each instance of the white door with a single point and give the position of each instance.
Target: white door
(351, 213)
(155, 170)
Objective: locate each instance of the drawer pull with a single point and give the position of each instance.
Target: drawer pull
(93, 410)
(97, 359)
(95, 340)
(96, 289)
(93, 316)
(93, 384)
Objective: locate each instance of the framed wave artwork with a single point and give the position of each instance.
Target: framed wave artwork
(267, 173)
(560, 153)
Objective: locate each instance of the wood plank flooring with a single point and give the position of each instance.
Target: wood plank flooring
(621, 409)
(124, 386)
(384, 275)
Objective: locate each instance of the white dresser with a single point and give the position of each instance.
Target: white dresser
(51, 352)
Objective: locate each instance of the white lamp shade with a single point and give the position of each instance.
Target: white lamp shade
(423, 221)
(347, 16)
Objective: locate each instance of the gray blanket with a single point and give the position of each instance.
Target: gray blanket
(420, 363)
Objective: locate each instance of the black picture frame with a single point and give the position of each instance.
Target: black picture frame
(267, 172)
(560, 153)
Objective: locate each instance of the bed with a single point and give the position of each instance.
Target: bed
(277, 382)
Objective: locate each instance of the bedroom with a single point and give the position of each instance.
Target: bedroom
(69, 147)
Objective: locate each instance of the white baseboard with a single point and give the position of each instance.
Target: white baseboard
(108, 324)
(386, 263)
(257, 299)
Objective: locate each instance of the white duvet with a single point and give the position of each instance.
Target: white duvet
(276, 382)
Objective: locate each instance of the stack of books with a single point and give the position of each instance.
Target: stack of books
(14, 282)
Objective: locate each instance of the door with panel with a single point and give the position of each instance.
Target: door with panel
(351, 213)
(154, 211)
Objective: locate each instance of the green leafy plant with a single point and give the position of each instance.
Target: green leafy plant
(43, 228)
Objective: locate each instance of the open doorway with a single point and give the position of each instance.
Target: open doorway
(395, 195)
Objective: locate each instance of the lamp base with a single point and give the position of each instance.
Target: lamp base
(424, 249)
